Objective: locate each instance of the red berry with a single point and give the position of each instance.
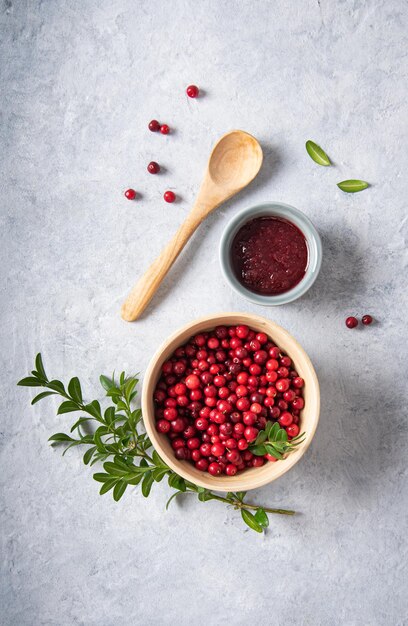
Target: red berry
(242, 444)
(298, 382)
(231, 470)
(169, 196)
(130, 194)
(202, 465)
(153, 167)
(298, 403)
(163, 426)
(192, 91)
(257, 461)
(351, 322)
(192, 381)
(270, 458)
(154, 126)
(285, 419)
(250, 433)
(367, 320)
(164, 129)
(293, 430)
(214, 469)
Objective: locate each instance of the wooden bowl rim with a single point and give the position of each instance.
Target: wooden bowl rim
(253, 477)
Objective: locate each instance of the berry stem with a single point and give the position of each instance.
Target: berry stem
(244, 505)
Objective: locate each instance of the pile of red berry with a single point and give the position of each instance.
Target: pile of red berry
(217, 392)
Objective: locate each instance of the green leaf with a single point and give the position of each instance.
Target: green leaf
(119, 490)
(177, 493)
(158, 460)
(107, 486)
(74, 389)
(270, 449)
(147, 484)
(262, 436)
(258, 450)
(282, 435)
(56, 385)
(274, 431)
(121, 463)
(40, 366)
(317, 153)
(98, 438)
(88, 455)
(61, 437)
(109, 414)
(129, 386)
(101, 477)
(134, 480)
(241, 495)
(352, 186)
(159, 473)
(30, 381)
(80, 421)
(106, 382)
(177, 482)
(42, 395)
(250, 521)
(205, 496)
(262, 518)
(114, 469)
(67, 407)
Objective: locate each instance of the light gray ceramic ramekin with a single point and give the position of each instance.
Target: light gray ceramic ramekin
(285, 211)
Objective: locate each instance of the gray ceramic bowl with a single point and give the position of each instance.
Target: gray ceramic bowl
(291, 214)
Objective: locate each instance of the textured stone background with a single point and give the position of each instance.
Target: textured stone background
(79, 83)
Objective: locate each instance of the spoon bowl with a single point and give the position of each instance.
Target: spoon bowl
(234, 162)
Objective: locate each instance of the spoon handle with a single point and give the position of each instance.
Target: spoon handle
(147, 285)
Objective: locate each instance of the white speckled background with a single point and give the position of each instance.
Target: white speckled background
(79, 83)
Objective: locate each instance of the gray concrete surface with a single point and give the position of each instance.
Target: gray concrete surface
(79, 83)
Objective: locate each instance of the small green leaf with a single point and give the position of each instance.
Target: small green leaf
(42, 395)
(88, 455)
(107, 486)
(114, 469)
(56, 385)
(205, 496)
(258, 450)
(61, 437)
(261, 438)
(250, 521)
(40, 366)
(270, 449)
(177, 482)
(241, 495)
(98, 438)
(30, 381)
(274, 431)
(109, 415)
(101, 477)
(262, 518)
(106, 382)
(159, 473)
(67, 407)
(119, 490)
(134, 480)
(147, 484)
(80, 421)
(74, 389)
(317, 153)
(352, 186)
(282, 435)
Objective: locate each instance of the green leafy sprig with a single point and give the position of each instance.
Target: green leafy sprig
(114, 438)
(274, 441)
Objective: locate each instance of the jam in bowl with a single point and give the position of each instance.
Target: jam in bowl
(271, 254)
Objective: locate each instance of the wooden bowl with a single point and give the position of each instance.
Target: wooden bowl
(250, 478)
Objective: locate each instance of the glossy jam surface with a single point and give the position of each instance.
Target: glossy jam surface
(269, 255)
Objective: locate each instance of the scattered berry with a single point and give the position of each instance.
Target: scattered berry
(130, 194)
(154, 126)
(153, 167)
(366, 319)
(164, 129)
(169, 196)
(351, 322)
(192, 91)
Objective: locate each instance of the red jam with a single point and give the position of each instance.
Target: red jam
(269, 255)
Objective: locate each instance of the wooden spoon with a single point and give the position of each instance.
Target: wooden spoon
(234, 162)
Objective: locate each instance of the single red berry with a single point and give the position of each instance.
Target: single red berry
(163, 426)
(164, 129)
(154, 126)
(270, 458)
(130, 194)
(153, 167)
(202, 465)
(169, 196)
(192, 91)
(351, 322)
(366, 319)
(285, 419)
(192, 381)
(293, 430)
(231, 470)
(214, 469)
